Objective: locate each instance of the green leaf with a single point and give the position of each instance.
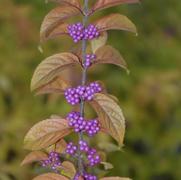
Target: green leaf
(51, 67)
(110, 116)
(107, 165)
(46, 133)
(55, 18)
(109, 55)
(115, 21)
(96, 43)
(102, 4)
(33, 157)
(50, 176)
(68, 169)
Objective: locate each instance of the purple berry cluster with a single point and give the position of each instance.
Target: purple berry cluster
(86, 176)
(83, 146)
(90, 176)
(76, 121)
(91, 127)
(74, 95)
(91, 154)
(93, 157)
(53, 161)
(79, 32)
(71, 149)
(88, 60)
(91, 32)
(76, 31)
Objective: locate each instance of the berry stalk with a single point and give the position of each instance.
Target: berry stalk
(84, 77)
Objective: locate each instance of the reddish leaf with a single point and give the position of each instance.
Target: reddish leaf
(115, 21)
(57, 85)
(61, 29)
(102, 4)
(50, 176)
(115, 178)
(46, 133)
(51, 67)
(74, 3)
(33, 157)
(109, 55)
(55, 18)
(110, 116)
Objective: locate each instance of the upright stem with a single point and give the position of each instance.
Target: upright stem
(83, 82)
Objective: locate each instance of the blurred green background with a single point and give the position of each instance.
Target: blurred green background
(150, 95)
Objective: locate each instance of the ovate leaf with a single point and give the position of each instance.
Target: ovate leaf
(46, 133)
(115, 21)
(68, 169)
(109, 55)
(96, 43)
(115, 178)
(107, 165)
(57, 85)
(102, 4)
(110, 116)
(55, 18)
(74, 3)
(61, 29)
(59, 147)
(33, 157)
(50, 176)
(51, 67)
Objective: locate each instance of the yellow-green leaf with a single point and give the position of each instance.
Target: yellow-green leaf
(109, 55)
(51, 67)
(50, 176)
(55, 18)
(33, 157)
(115, 21)
(110, 116)
(102, 4)
(107, 165)
(46, 133)
(68, 169)
(96, 43)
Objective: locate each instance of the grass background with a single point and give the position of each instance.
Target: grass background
(150, 96)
